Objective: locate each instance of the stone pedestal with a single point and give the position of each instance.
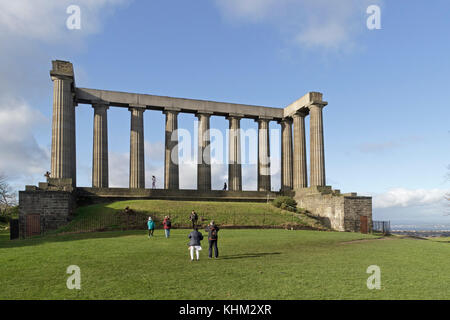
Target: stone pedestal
(204, 153)
(234, 154)
(286, 154)
(100, 147)
(63, 156)
(171, 169)
(300, 168)
(263, 155)
(317, 154)
(137, 162)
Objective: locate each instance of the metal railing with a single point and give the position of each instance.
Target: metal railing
(381, 226)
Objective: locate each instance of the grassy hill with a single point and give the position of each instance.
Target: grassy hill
(253, 264)
(102, 217)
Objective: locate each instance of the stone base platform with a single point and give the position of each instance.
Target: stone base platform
(52, 204)
(97, 195)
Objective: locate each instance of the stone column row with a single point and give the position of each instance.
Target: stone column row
(293, 160)
(293, 149)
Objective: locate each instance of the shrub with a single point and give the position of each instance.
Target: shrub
(285, 203)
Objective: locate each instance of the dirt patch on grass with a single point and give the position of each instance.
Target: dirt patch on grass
(367, 240)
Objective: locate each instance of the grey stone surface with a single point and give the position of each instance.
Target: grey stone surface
(53, 201)
(100, 147)
(204, 153)
(263, 155)
(337, 211)
(137, 164)
(123, 99)
(234, 154)
(286, 155)
(171, 169)
(300, 166)
(317, 152)
(63, 157)
(95, 195)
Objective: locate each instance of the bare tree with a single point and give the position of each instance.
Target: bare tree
(7, 195)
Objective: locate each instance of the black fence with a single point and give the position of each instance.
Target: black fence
(13, 229)
(381, 226)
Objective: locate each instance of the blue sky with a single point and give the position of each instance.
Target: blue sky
(386, 125)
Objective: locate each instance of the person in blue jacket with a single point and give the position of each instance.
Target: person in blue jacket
(151, 227)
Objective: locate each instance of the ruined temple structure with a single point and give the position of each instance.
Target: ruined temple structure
(51, 203)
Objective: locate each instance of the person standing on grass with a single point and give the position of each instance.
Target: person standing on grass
(212, 230)
(194, 218)
(167, 226)
(151, 226)
(194, 243)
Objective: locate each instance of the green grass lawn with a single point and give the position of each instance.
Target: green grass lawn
(253, 264)
(99, 216)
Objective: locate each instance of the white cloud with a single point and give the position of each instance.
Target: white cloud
(45, 20)
(401, 197)
(250, 9)
(328, 24)
(32, 33)
(119, 169)
(21, 156)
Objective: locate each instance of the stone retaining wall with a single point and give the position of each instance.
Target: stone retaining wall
(341, 212)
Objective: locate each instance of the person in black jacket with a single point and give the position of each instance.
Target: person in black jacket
(194, 218)
(212, 230)
(194, 243)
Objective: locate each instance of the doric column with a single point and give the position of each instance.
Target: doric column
(317, 162)
(234, 154)
(171, 180)
(204, 152)
(286, 154)
(300, 170)
(63, 157)
(100, 147)
(137, 164)
(263, 155)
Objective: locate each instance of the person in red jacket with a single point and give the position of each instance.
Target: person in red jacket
(167, 225)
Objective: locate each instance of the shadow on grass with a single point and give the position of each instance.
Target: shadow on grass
(38, 240)
(249, 255)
